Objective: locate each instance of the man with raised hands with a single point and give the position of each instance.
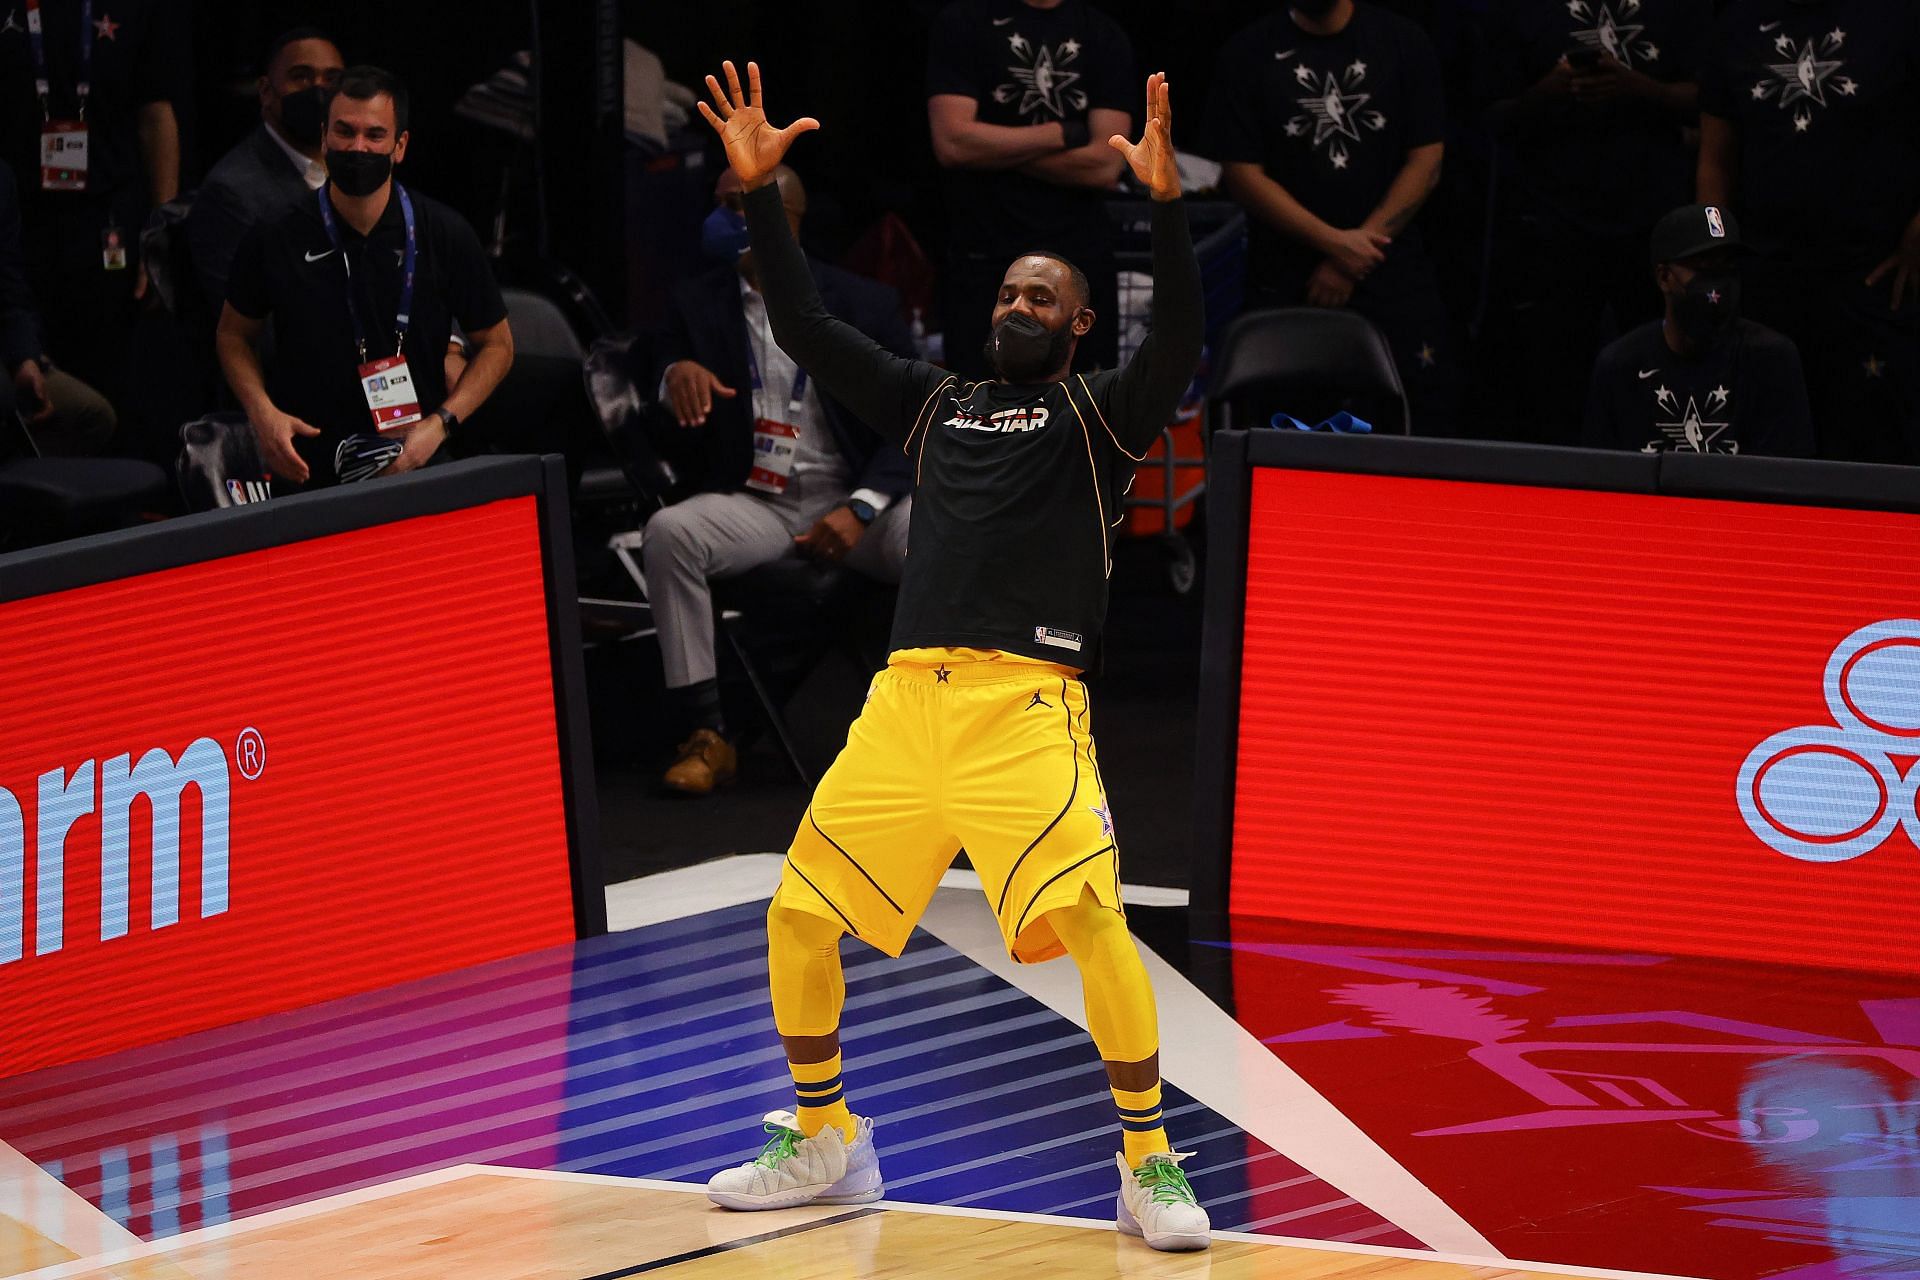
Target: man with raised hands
(977, 733)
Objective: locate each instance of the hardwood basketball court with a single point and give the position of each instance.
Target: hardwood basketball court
(478, 1223)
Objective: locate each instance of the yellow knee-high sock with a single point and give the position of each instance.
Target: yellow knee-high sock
(1141, 1130)
(1120, 1013)
(803, 969)
(822, 1100)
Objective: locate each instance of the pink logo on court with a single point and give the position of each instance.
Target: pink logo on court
(1830, 792)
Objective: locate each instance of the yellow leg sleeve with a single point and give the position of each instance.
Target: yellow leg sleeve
(803, 968)
(1120, 1009)
(1120, 1012)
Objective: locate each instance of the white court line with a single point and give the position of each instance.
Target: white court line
(752, 877)
(1205, 1052)
(241, 1226)
(1088, 1224)
(44, 1205)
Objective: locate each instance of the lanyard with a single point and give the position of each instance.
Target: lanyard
(797, 404)
(38, 42)
(404, 316)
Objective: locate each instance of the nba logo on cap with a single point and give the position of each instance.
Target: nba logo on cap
(1715, 227)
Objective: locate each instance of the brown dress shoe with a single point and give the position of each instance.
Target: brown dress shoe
(706, 761)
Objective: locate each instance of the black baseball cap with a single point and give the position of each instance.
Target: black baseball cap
(1695, 229)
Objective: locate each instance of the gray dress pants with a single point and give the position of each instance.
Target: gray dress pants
(722, 535)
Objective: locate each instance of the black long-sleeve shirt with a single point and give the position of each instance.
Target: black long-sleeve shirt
(1018, 488)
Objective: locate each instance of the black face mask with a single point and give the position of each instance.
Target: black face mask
(303, 115)
(1021, 349)
(1707, 307)
(358, 173)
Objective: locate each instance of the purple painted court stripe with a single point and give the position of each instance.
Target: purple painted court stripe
(367, 1140)
(355, 1017)
(1294, 1215)
(101, 1116)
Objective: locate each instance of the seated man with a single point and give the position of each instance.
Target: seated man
(1701, 379)
(364, 282)
(276, 165)
(66, 416)
(790, 470)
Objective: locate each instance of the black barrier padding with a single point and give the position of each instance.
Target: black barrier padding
(211, 535)
(1854, 485)
(1217, 718)
(1485, 461)
(575, 732)
(214, 535)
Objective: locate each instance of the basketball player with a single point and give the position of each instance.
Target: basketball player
(976, 734)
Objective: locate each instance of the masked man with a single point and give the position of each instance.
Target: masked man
(1701, 379)
(363, 280)
(789, 470)
(977, 734)
(278, 164)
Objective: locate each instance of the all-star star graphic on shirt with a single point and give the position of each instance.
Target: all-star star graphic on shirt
(1802, 84)
(1041, 79)
(1333, 110)
(1610, 30)
(1689, 429)
(105, 27)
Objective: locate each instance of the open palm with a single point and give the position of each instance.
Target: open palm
(1152, 157)
(754, 147)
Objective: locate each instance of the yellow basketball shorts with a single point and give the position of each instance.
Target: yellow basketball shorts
(959, 748)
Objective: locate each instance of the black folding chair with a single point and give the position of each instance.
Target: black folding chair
(49, 499)
(1307, 362)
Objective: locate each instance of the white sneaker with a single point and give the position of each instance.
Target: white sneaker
(795, 1169)
(1156, 1203)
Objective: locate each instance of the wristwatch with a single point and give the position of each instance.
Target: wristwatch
(862, 510)
(1076, 133)
(448, 419)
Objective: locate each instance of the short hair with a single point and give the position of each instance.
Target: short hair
(1075, 276)
(292, 35)
(363, 83)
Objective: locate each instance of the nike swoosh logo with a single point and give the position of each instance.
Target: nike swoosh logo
(315, 257)
(1648, 373)
(1001, 22)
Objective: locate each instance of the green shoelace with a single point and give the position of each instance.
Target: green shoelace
(1165, 1182)
(780, 1146)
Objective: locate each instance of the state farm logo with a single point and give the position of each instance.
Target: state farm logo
(61, 798)
(1830, 792)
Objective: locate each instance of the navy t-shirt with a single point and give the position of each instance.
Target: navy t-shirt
(1826, 100)
(1331, 119)
(1743, 394)
(1608, 168)
(1026, 66)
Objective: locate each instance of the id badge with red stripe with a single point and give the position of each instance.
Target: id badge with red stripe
(774, 445)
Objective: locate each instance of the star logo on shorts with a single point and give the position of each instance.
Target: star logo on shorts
(1105, 815)
(942, 674)
(1038, 701)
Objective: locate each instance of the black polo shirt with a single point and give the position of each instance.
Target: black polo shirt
(287, 269)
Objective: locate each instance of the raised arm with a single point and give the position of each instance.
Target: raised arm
(1146, 392)
(887, 392)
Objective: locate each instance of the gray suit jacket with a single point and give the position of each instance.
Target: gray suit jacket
(252, 182)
